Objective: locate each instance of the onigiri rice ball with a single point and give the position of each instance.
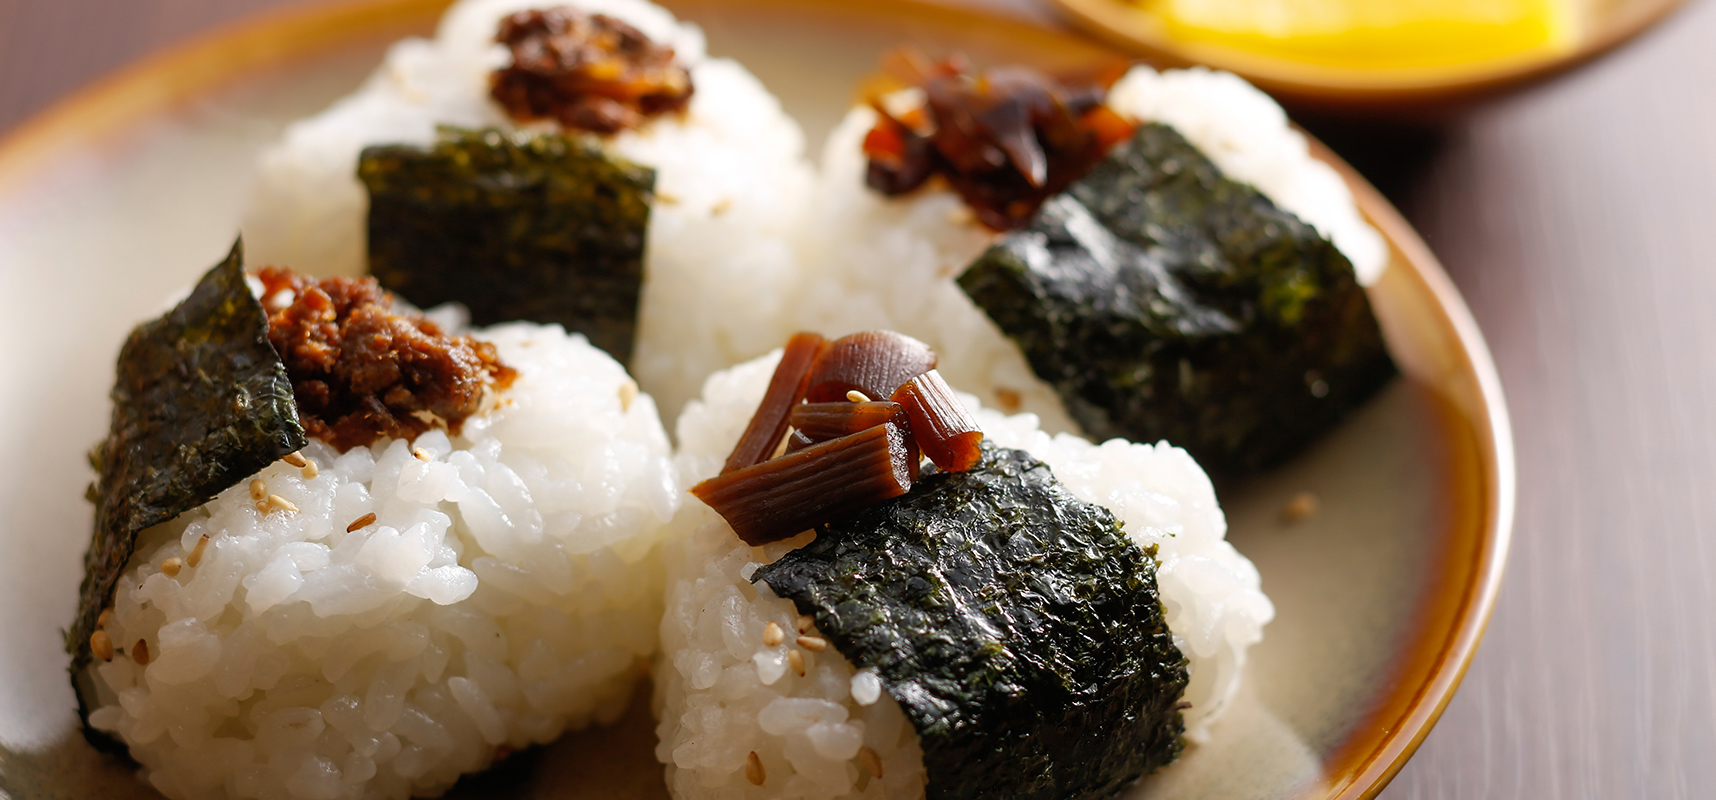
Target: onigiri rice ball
(723, 693)
(873, 261)
(408, 609)
(731, 179)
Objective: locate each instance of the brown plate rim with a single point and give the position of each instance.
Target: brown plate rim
(1129, 27)
(100, 112)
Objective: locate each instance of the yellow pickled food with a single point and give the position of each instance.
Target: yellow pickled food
(1375, 33)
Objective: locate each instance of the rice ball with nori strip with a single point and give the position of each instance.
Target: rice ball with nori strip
(729, 178)
(756, 699)
(893, 234)
(462, 560)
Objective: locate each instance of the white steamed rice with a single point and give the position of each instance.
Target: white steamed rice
(721, 694)
(508, 590)
(730, 180)
(878, 262)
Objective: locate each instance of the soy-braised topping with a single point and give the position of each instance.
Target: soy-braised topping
(874, 363)
(1006, 139)
(940, 423)
(823, 421)
(782, 497)
(363, 370)
(819, 422)
(786, 388)
(590, 72)
(798, 441)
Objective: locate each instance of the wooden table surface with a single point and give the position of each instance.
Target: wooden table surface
(1579, 220)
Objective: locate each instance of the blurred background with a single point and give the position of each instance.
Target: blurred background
(1577, 214)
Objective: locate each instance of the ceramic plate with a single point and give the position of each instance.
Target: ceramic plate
(111, 201)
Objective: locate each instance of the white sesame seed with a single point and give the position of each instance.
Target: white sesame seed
(754, 769)
(196, 556)
(870, 760)
(101, 645)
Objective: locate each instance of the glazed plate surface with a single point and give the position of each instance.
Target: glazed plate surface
(122, 195)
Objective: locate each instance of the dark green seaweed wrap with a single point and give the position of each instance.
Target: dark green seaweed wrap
(201, 402)
(1164, 301)
(517, 226)
(1017, 626)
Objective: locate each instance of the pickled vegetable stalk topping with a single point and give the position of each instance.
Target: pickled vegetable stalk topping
(877, 406)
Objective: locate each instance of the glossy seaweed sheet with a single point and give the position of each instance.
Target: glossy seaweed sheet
(201, 401)
(517, 226)
(1017, 626)
(1164, 301)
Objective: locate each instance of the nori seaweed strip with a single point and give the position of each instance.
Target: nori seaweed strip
(1164, 301)
(1017, 626)
(201, 401)
(517, 226)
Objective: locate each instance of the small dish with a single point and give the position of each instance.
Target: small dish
(1598, 26)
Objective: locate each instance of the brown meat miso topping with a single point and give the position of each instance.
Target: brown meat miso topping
(786, 388)
(941, 424)
(1005, 139)
(590, 72)
(363, 370)
(785, 496)
(872, 362)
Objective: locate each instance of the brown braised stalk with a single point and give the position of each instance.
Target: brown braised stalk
(786, 388)
(819, 422)
(872, 362)
(798, 441)
(940, 423)
(824, 421)
(782, 497)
